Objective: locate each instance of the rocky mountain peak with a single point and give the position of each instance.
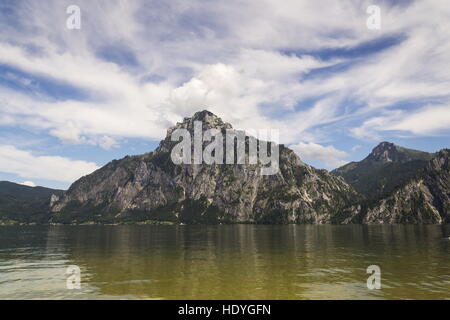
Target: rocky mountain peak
(387, 152)
(384, 145)
(441, 161)
(206, 116)
(384, 152)
(209, 121)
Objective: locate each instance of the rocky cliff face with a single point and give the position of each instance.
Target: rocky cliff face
(151, 186)
(424, 199)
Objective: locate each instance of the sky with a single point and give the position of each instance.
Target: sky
(72, 100)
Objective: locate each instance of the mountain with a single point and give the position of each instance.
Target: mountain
(386, 168)
(25, 204)
(425, 198)
(152, 187)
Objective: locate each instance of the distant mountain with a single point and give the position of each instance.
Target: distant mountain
(152, 187)
(25, 204)
(425, 198)
(386, 168)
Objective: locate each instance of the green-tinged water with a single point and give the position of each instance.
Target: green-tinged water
(225, 262)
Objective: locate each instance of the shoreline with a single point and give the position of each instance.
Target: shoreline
(8, 223)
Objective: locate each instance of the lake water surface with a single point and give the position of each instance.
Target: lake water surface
(225, 262)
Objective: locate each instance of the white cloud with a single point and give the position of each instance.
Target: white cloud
(107, 142)
(29, 165)
(29, 183)
(328, 155)
(427, 121)
(356, 147)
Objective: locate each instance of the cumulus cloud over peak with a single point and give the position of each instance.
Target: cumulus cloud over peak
(329, 155)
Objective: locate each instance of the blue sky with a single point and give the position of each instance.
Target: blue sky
(72, 100)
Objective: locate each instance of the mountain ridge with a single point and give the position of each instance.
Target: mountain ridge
(385, 168)
(424, 199)
(24, 203)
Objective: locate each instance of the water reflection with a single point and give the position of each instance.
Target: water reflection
(225, 262)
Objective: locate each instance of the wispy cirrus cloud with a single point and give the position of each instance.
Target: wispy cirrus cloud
(428, 120)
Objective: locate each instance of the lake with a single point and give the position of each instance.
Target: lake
(225, 261)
